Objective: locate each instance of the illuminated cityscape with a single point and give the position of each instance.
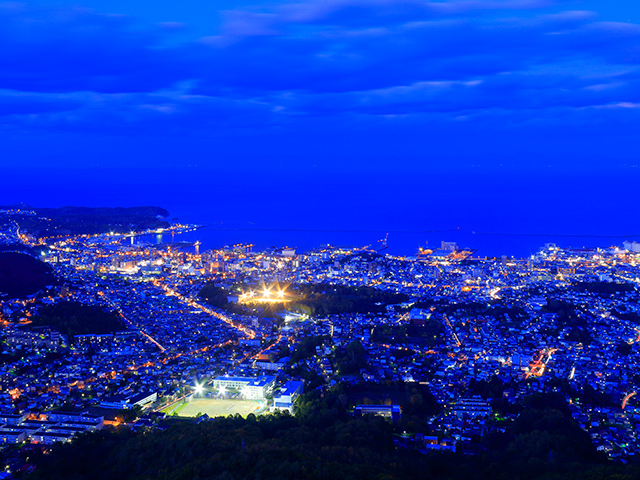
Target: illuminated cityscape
(319, 239)
(218, 332)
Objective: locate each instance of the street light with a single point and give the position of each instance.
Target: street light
(199, 389)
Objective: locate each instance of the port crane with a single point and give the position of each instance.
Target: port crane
(383, 243)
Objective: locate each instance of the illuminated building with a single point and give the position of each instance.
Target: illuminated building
(249, 388)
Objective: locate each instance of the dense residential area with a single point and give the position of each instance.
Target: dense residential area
(140, 332)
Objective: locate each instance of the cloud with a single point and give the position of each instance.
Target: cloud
(329, 60)
(26, 103)
(76, 49)
(452, 61)
(169, 111)
(367, 12)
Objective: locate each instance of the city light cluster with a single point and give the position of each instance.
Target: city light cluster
(266, 295)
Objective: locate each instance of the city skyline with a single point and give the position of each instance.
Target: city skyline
(455, 352)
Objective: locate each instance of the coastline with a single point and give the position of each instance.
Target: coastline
(400, 242)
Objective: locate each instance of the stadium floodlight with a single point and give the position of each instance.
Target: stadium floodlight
(199, 389)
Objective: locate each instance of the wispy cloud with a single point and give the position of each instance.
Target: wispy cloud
(80, 69)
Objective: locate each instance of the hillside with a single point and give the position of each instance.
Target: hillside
(325, 442)
(73, 318)
(46, 222)
(22, 275)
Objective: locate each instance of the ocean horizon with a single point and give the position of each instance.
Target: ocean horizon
(399, 243)
(496, 213)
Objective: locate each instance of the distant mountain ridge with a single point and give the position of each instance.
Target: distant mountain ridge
(46, 222)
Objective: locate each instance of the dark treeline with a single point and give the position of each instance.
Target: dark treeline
(86, 220)
(350, 359)
(428, 335)
(572, 316)
(604, 288)
(494, 308)
(313, 300)
(214, 296)
(325, 442)
(631, 316)
(73, 318)
(324, 299)
(306, 347)
(22, 274)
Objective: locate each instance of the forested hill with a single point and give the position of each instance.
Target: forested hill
(22, 274)
(325, 442)
(73, 318)
(316, 299)
(46, 222)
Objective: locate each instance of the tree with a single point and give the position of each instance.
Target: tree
(623, 348)
(127, 415)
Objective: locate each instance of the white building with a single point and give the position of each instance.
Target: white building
(249, 388)
(236, 383)
(49, 438)
(80, 418)
(10, 434)
(259, 388)
(129, 401)
(12, 418)
(287, 397)
(263, 365)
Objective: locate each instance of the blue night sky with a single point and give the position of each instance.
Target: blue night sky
(402, 107)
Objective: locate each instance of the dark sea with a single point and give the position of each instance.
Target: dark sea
(499, 213)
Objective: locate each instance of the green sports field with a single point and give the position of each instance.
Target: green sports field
(219, 408)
